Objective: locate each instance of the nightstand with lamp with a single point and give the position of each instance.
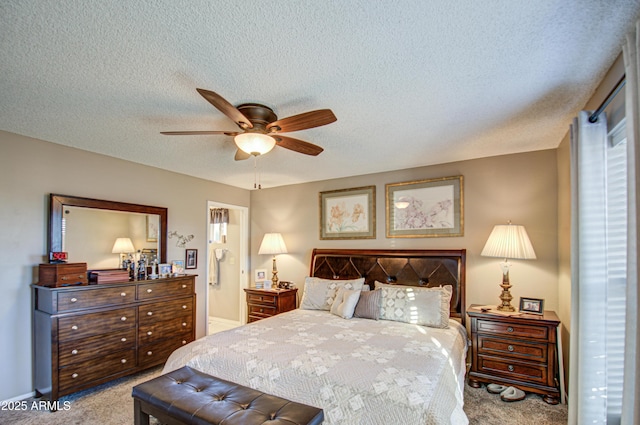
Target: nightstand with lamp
(510, 348)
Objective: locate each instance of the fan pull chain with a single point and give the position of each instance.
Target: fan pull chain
(256, 174)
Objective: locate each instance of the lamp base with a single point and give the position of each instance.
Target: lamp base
(274, 274)
(505, 296)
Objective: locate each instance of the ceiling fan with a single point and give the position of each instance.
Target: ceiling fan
(261, 128)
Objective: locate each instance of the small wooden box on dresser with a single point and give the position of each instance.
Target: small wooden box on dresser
(88, 335)
(519, 351)
(262, 303)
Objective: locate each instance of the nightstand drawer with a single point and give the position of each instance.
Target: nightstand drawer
(513, 329)
(507, 368)
(262, 310)
(264, 299)
(536, 352)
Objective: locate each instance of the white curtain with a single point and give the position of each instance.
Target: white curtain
(587, 373)
(631, 390)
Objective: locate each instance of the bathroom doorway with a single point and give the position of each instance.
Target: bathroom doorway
(227, 265)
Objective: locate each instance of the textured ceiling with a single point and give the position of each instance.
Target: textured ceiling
(412, 83)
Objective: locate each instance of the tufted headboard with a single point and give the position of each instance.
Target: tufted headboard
(410, 267)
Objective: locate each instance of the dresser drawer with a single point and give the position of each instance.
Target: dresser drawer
(513, 329)
(262, 310)
(174, 328)
(536, 352)
(518, 370)
(69, 300)
(84, 325)
(156, 312)
(174, 288)
(85, 372)
(79, 350)
(157, 353)
(262, 299)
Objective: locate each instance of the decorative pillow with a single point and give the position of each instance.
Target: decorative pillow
(368, 306)
(319, 293)
(420, 306)
(345, 303)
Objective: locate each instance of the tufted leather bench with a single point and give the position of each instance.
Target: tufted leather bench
(188, 396)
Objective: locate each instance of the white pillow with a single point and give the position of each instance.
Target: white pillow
(416, 305)
(345, 303)
(319, 293)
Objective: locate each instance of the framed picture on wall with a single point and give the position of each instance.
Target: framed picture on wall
(425, 208)
(191, 258)
(348, 213)
(153, 224)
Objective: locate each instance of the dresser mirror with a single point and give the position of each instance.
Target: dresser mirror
(87, 229)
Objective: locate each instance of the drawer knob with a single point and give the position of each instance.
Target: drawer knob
(184, 307)
(262, 310)
(123, 318)
(74, 376)
(123, 339)
(74, 352)
(184, 324)
(74, 300)
(149, 291)
(184, 286)
(511, 368)
(184, 342)
(123, 361)
(510, 348)
(149, 313)
(149, 353)
(123, 294)
(510, 329)
(149, 333)
(80, 276)
(63, 278)
(74, 328)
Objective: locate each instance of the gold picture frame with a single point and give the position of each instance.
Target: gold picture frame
(348, 213)
(425, 208)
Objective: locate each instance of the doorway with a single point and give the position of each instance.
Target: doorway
(227, 265)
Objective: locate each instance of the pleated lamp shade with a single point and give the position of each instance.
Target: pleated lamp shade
(509, 241)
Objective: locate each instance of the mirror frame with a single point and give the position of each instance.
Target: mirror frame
(58, 202)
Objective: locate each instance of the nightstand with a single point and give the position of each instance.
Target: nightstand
(519, 351)
(263, 303)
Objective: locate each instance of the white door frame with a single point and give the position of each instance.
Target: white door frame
(243, 261)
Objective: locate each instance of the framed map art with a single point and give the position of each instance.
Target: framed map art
(425, 208)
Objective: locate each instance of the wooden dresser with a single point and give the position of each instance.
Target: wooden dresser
(262, 303)
(519, 351)
(88, 335)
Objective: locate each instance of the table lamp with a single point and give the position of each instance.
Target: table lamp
(122, 246)
(508, 241)
(273, 244)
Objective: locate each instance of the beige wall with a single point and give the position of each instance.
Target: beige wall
(30, 169)
(521, 188)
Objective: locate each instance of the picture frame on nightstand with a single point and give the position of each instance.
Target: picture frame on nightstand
(531, 305)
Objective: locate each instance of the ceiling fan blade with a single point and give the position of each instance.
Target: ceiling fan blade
(297, 145)
(302, 121)
(226, 108)
(241, 155)
(196, 133)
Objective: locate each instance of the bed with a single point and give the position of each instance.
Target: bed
(359, 370)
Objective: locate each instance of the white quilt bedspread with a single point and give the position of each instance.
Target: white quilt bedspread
(359, 371)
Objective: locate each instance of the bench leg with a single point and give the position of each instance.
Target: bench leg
(139, 417)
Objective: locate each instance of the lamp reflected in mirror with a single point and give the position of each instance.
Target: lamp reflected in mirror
(122, 246)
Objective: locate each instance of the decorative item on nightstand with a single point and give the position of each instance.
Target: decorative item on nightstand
(273, 244)
(508, 241)
(122, 246)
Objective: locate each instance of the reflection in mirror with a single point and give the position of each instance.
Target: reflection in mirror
(88, 228)
(89, 235)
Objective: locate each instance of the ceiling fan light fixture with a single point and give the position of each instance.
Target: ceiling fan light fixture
(254, 143)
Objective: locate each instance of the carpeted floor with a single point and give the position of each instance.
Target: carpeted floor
(111, 404)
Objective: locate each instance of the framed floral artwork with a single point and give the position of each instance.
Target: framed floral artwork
(425, 208)
(348, 213)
